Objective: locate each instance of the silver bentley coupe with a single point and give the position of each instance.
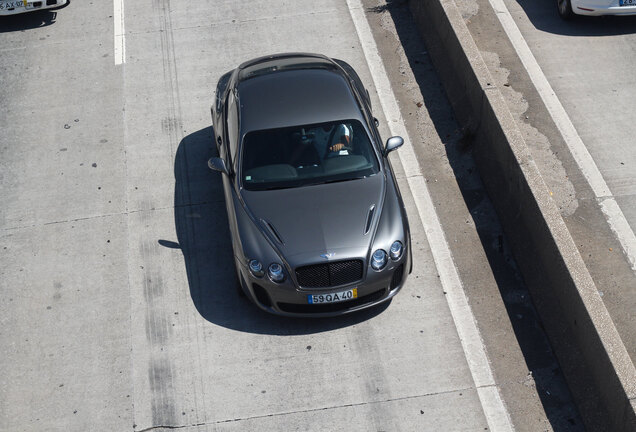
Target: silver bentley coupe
(317, 221)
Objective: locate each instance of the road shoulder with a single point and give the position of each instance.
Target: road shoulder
(525, 369)
(565, 294)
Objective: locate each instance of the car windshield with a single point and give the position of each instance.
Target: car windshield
(307, 155)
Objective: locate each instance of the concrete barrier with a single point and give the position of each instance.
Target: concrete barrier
(580, 329)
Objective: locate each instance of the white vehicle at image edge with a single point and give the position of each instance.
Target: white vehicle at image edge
(568, 8)
(11, 7)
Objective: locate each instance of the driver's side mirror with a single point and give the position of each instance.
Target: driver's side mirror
(218, 164)
(393, 143)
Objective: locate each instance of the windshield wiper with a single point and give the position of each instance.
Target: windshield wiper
(312, 184)
(334, 181)
(275, 188)
(344, 180)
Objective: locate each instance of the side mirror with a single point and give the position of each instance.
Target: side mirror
(218, 164)
(393, 143)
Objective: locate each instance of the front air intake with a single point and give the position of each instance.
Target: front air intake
(272, 231)
(397, 276)
(367, 225)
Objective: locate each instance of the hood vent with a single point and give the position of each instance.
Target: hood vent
(367, 226)
(272, 231)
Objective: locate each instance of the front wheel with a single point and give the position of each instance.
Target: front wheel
(565, 9)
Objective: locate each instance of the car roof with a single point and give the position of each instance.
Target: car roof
(293, 90)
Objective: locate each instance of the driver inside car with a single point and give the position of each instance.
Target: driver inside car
(328, 140)
(340, 138)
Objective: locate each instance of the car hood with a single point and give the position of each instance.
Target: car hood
(306, 222)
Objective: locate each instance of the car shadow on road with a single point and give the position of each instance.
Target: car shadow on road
(29, 20)
(535, 347)
(204, 239)
(544, 16)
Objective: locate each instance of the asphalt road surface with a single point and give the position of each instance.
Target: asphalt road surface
(117, 306)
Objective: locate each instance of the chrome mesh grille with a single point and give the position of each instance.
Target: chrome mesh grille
(329, 274)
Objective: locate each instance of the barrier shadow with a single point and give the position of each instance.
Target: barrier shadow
(204, 239)
(540, 360)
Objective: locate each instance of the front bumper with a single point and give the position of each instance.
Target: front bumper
(287, 299)
(12, 7)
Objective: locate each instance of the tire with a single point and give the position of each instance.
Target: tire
(565, 9)
(61, 7)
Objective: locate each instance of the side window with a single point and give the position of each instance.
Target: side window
(232, 127)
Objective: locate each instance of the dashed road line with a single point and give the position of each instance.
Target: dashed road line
(472, 344)
(120, 32)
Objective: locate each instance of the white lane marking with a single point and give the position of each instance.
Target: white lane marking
(494, 408)
(615, 217)
(120, 32)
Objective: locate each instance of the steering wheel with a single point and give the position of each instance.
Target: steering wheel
(329, 153)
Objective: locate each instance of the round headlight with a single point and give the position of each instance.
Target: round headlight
(396, 250)
(256, 268)
(275, 272)
(378, 259)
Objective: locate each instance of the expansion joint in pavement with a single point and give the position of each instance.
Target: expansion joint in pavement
(171, 427)
(414, 176)
(19, 227)
(125, 213)
(350, 405)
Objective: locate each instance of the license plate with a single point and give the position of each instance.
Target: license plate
(333, 297)
(627, 2)
(8, 5)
